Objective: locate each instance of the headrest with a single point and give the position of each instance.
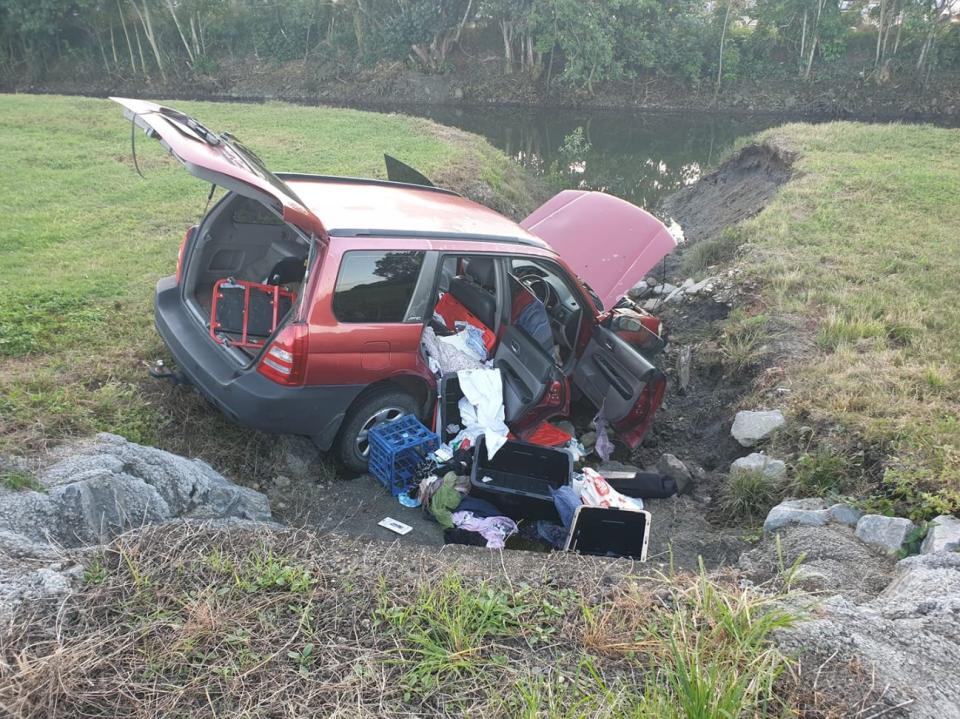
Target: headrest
(481, 271)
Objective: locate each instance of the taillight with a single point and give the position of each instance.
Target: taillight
(183, 248)
(634, 426)
(285, 359)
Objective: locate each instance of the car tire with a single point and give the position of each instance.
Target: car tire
(383, 405)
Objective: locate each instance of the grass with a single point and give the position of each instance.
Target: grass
(748, 495)
(84, 240)
(19, 480)
(861, 244)
(162, 627)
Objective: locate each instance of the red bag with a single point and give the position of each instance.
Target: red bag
(450, 308)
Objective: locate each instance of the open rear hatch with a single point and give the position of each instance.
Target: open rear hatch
(609, 242)
(220, 159)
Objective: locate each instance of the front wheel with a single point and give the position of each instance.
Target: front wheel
(384, 405)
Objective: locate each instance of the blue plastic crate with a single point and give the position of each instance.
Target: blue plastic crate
(396, 448)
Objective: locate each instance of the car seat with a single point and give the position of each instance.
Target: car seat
(475, 289)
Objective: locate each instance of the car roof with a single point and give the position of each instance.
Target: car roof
(355, 207)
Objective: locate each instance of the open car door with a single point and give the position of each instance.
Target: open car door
(219, 159)
(610, 243)
(617, 378)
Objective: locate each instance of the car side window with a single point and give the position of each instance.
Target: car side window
(375, 286)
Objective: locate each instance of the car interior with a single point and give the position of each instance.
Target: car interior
(537, 337)
(243, 240)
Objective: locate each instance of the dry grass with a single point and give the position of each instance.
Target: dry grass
(192, 621)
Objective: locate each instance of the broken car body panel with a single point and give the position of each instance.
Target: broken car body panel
(219, 159)
(609, 242)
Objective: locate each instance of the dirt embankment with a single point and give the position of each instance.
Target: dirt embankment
(478, 82)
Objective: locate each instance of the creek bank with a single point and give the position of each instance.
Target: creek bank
(475, 84)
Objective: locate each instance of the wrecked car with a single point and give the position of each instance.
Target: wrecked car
(299, 301)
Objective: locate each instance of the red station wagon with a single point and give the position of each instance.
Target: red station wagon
(362, 264)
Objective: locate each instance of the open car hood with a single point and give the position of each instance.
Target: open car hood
(609, 242)
(219, 159)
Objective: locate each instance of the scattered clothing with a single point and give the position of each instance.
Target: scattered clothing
(595, 491)
(463, 342)
(473, 339)
(496, 530)
(463, 536)
(481, 408)
(445, 357)
(479, 507)
(446, 499)
(553, 534)
(566, 501)
(603, 446)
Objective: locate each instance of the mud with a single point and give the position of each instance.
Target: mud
(736, 191)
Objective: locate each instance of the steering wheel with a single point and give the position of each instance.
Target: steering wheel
(538, 286)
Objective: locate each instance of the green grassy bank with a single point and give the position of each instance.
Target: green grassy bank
(84, 239)
(858, 261)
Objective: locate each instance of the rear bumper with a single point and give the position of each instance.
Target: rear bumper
(244, 395)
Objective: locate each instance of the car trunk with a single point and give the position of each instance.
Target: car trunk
(243, 240)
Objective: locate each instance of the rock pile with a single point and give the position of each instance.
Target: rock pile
(96, 491)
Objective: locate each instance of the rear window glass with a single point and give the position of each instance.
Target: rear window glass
(251, 212)
(375, 286)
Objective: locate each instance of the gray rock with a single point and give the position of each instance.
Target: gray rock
(676, 470)
(652, 305)
(687, 284)
(905, 640)
(804, 512)
(639, 290)
(759, 462)
(942, 536)
(830, 560)
(281, 482)
(701, 286)
(887, 533)
(664, 288)
(111, 485)
(750, 427)
(845, 514)
(674, 296)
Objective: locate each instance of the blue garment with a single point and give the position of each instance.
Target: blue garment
(480, 507)
(473, 338)
(533, 320)
(552, 534)
(566, 501)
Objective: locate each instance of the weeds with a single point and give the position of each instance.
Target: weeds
(19, 480)
(825, 472)
(748, 495)
(713, 251)
(445, 634)
(161, 628)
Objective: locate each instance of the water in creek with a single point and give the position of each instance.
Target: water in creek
(640, 156)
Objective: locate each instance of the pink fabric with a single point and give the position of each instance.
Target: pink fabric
(494, 529)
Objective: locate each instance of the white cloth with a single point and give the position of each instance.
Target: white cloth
(481, 409)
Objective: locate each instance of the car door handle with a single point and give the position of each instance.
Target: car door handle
(515, 347)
